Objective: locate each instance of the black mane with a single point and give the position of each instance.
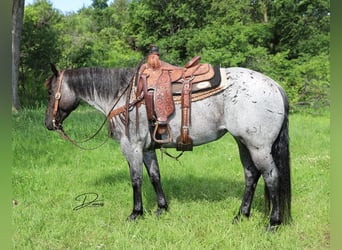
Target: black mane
(105, 81)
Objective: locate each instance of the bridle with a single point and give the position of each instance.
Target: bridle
(59, 128)
(57, 99)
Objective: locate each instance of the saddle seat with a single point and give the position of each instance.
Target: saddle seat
(199, 72)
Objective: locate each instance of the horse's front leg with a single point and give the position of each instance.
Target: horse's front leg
(151, 164)
(134, 156)
(136, 179)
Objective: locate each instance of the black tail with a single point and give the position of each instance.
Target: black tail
(281, 156)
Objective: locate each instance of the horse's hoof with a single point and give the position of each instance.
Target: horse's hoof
(239, 217)
(160, 212)
(272, 228)
(134, 215)
(236, 219)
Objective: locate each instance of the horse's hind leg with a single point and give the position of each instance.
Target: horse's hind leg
(252, 176)
(265, 164)
(151, 164)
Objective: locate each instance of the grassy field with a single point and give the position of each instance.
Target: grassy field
(204, 190)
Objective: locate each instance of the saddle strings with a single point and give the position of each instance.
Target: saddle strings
(164, 151)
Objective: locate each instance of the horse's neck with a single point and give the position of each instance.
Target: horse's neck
(105, 104)
(98, 102)
(101, 97)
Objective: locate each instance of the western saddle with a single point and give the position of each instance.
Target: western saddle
(159, 82)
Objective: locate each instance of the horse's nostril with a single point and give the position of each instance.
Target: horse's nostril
(49, 125)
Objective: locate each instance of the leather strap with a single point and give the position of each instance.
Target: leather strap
(57, 97)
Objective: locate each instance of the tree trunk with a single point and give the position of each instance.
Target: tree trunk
(17, 25)
(265, 11)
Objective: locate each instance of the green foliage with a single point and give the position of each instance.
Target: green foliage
(76, 40)
(306, 80)
(39, 46)
(100, 4)
(81, 48)
(288, 40)
(301, 26)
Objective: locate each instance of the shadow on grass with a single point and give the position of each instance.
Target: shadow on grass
(189, 188)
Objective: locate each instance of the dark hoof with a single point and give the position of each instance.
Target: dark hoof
(239, 217)
(236, 219)
(160, 211)
(134, 215)
(272, 228)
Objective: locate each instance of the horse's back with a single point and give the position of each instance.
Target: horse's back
(251, 107)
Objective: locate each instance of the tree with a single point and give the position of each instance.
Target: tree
(100, 4)
(236, 33)
(301, 26)
(40, 46)
(108, 48)
(17, 24)
(285, 39)
(168, 24)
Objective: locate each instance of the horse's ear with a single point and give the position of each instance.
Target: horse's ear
(54, 70)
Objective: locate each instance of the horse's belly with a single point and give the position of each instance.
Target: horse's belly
(207, 123)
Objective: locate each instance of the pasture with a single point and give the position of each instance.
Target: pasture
(204, 189)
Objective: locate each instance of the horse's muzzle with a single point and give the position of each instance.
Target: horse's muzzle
(49, 125)
(54, 125)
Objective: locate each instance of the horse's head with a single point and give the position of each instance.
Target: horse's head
(61, 100)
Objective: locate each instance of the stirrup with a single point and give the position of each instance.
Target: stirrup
(169, 137)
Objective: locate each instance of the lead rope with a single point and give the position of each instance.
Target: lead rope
(66, 137)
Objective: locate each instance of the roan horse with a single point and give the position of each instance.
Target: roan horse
(253, 108)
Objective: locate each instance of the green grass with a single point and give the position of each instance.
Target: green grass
(204, 191)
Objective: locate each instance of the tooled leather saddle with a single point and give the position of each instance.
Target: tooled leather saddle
(160, 81)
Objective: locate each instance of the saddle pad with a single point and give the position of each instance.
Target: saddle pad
(200, 95)
(199, 86)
